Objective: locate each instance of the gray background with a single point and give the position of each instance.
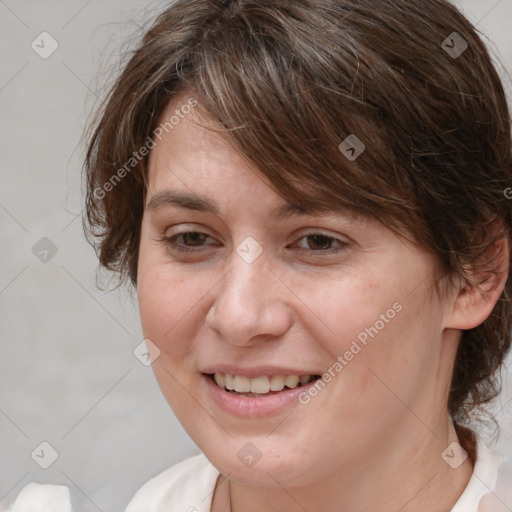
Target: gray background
(68, 375)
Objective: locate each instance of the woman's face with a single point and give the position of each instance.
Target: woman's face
(226, 285)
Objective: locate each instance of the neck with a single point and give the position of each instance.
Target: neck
(405, 473)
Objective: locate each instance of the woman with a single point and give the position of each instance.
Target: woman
(309, 199)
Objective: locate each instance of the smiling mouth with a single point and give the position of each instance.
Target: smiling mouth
(260, 386)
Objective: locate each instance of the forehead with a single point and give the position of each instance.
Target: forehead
(196, 166)
(187, 137)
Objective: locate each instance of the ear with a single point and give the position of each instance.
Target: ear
(475, 301)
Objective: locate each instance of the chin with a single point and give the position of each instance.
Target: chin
(271, 469)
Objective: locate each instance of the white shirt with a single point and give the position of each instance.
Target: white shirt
(188, 487)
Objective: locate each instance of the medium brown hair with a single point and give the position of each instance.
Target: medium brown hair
(288, 81)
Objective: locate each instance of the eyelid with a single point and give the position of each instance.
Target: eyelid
(341, 243)
(312, 231)
(297, 235)
(170, 242)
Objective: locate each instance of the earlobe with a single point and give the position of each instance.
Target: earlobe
(475, 300)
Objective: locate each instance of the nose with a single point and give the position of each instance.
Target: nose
(250, 304)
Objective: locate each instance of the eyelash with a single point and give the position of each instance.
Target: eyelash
(170, 242)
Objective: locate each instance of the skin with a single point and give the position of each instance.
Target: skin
(372, 439)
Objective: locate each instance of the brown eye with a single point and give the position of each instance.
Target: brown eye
(187, 241)
(318, 243)
(193, 238)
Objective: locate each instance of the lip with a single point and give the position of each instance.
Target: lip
(257, 371)
(254, 406)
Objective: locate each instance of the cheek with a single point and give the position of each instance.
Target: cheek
(158, 303)
(173, 304)
(164, 294)
(379, 334)
(355, 307)
(169, 302)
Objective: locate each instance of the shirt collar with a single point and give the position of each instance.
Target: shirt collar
(483, 479)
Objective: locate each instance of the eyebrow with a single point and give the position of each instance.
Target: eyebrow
(197, 202)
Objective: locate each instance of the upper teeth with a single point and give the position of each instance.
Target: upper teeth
(260, 385)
